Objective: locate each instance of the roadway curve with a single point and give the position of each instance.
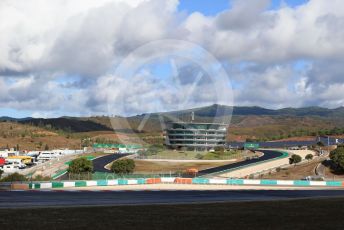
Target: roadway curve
(268, 155)
(100, 162)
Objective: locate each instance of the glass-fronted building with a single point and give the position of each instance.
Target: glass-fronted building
(195, 136)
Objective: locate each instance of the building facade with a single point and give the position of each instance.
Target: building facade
(195, 136)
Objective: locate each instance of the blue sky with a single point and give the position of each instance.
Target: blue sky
(61, 59)
(208, 7)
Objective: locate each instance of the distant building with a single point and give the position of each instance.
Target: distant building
(117, 148)
(195, 136)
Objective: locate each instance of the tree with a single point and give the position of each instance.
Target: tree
(337, 156)
(309, 157)
(294, 159)
(14, 177)
(123, 166)
(80, 165)
(46, 147)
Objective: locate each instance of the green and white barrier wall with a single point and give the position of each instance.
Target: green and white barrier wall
(173, 180)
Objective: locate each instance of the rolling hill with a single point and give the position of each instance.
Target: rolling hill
(244, 122)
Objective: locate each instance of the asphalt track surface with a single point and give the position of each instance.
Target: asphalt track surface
(268, 155)
(22, 199)
(100, 162)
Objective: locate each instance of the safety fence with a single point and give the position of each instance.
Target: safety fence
(177, 180)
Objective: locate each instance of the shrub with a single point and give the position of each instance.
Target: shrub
(219, 149)
(154, 149)
(123, 166)
(309, 157)
(80, 165)
(14, 177)
(294, 159)
(199, 156)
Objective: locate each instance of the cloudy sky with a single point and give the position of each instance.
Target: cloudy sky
(63, 57)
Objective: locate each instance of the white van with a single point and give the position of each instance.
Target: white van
(46, 156)
(10, 168)
(20, 165)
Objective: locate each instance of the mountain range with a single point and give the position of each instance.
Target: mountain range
(253, 122)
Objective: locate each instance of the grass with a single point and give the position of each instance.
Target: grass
(194, 155)
(296, 214)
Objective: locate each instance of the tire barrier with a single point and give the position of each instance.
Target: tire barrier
(153, 180)
(183, 181)
(173, 180)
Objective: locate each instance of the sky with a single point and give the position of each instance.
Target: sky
(127, 57)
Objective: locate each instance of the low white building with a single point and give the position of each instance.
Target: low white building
(7, 153)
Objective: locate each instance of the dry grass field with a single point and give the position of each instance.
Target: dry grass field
(143, 166)
(30, 137)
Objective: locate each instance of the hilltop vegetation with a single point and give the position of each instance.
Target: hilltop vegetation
(246, 123)
(28, 137)
(67, 124)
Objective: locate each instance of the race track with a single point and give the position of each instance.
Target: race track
(100, 162)
(268, 155)
(21, 199)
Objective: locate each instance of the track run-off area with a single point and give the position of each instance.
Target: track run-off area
(268, 155)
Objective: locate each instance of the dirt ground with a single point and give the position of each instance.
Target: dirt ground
(295, 172)
(143, 166)
(331, 175)
(301, 171)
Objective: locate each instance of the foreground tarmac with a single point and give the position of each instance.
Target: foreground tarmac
(26, 199)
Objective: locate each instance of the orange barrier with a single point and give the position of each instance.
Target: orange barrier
(19, 186)
(153, 180)
(183, 181)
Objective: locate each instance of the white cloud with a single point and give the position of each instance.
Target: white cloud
(250, 32)
(43, 40)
